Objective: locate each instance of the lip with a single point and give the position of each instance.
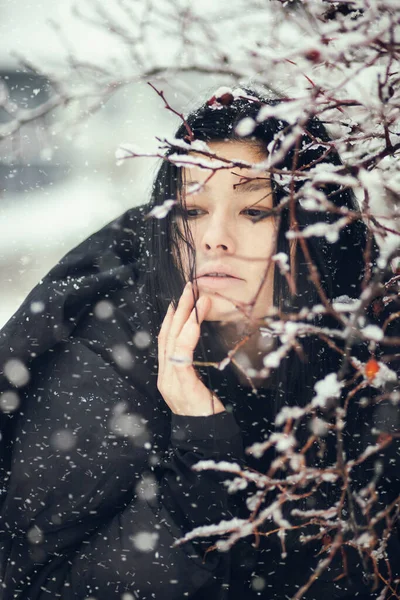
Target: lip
(217, 282)
(218, 268)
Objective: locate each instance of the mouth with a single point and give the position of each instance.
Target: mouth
(217, 280)
(219, 275)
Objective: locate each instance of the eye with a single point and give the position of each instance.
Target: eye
(257, 214)
(193, 213)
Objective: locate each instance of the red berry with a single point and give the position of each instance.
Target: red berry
(383, 438)
(218, 101)
(371, 368)
(313, 55)
(225, 99)
(377, 307)
(326, 540)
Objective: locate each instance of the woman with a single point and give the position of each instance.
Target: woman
(106, 409)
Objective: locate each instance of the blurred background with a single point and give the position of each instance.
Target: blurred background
(59, 181)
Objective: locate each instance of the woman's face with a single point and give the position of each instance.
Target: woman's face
(227, 238)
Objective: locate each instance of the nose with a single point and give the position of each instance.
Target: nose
(219, 236)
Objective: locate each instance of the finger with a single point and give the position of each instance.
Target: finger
(163, 335)
(201, 309)
(188, 339)
(187, 375)
(181, 315)
(166, 324)
(198, 313)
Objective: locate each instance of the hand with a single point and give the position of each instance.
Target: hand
(178, 381)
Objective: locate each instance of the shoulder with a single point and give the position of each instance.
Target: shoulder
(104, 261)
(68, 350)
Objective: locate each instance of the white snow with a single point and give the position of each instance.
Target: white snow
(223, 465)
(329, 387)
(122, 356)
(273, 359)
(63, 439)
(161, 211)
(9, 401)
(16, 372)
(331, 477)
(245, 127)
(345, 304)
(127, 424)
(289, 413)
(307, 514)
(372, 332)
(222, 90)
(219, 528)
(194, 146)
(238, 483)
(142, 339)
(147, 488)
(365, 540)
(330, 231)
(103, 310)
(282, 260)
(37, 307)
(35, 535)
(283, 441)
(387, 247)
(319, 427)
(145, 541)
(189, 161)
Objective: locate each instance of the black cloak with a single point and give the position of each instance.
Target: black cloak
(95, 474)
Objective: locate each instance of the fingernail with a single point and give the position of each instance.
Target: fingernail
(188, 285)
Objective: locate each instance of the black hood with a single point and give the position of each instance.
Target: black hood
(105, 262)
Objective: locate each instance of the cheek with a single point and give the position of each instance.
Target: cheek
(261, 242)
(197, 228)
(263, 247)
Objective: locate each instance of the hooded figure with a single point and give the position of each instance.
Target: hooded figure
(97, 482)
(80, 486)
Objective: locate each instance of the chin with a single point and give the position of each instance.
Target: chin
(223, 310)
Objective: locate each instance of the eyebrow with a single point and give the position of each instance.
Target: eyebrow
(249, 185)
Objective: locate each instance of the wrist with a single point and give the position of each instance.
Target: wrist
(200, 412)
(213, 407)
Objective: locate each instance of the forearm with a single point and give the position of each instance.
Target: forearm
(199, 498)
